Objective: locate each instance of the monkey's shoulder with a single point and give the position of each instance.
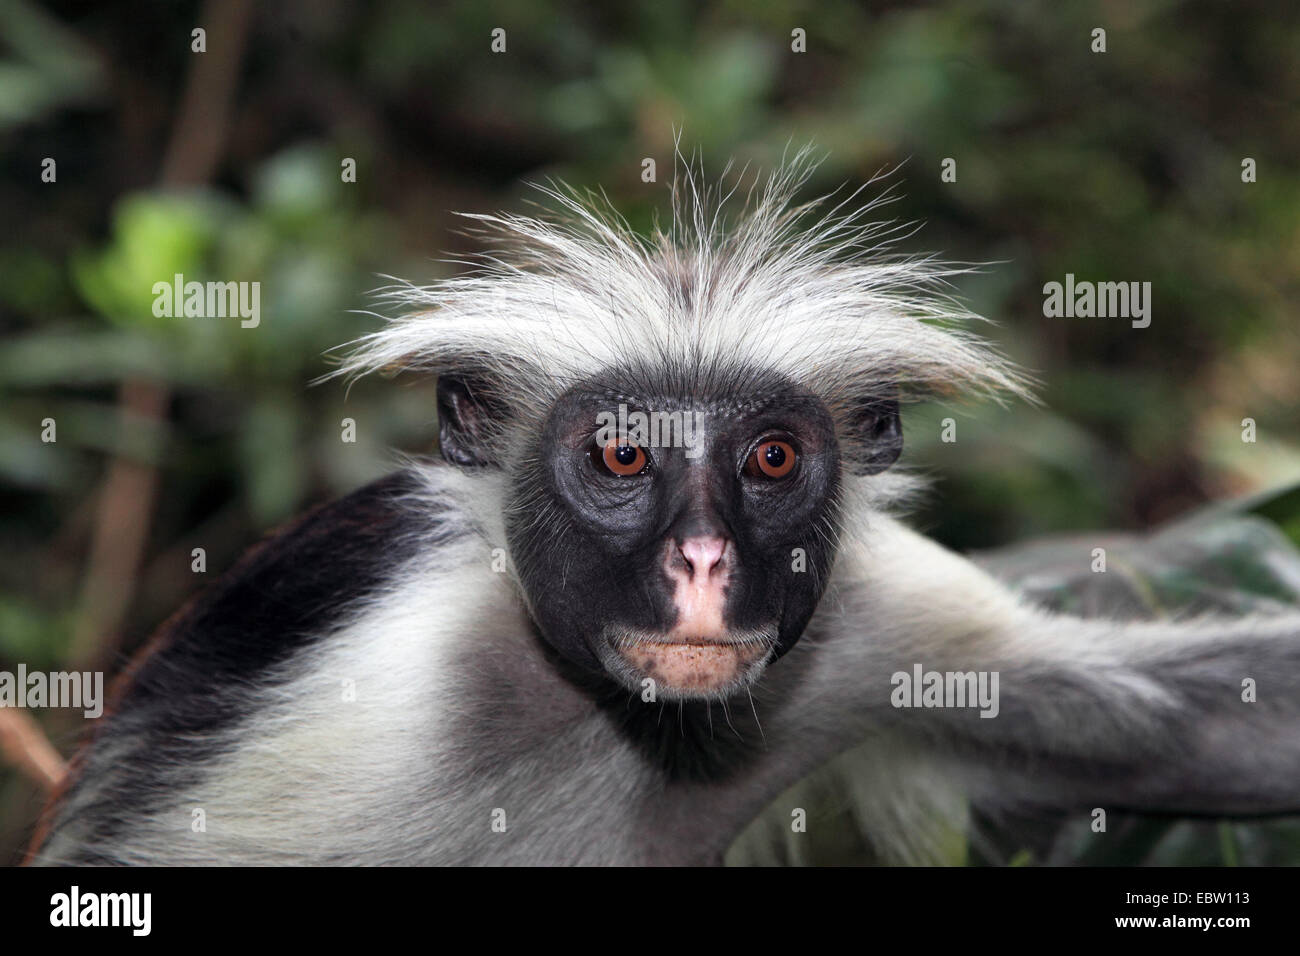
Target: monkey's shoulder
(285, 594)
(208, 668)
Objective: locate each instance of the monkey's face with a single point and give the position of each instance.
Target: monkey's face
(684, 541)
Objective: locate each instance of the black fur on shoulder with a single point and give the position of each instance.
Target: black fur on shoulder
(190, 686)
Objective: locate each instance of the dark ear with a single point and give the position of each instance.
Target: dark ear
(466, 412)
(880, 431)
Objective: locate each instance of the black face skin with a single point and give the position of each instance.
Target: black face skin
(594, 564)
(603, 557)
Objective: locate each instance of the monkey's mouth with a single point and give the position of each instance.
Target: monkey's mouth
(690, 667)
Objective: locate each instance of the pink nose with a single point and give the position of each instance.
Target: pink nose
(702, 555)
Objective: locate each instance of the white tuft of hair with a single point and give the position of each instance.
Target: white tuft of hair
(732, 285)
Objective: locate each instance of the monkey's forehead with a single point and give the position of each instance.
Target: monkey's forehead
(732, 388)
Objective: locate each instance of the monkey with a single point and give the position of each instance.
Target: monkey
(576, 639)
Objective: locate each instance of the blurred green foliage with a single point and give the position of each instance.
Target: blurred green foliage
(1123, 166)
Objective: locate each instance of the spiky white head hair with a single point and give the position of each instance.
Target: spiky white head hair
(811, 292)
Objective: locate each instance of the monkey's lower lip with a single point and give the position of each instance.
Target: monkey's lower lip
(694, 665)
(694, 642)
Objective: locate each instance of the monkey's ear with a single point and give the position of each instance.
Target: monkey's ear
(465, 416)
(879, 429)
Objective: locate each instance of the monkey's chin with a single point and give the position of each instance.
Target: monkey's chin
(689, 669)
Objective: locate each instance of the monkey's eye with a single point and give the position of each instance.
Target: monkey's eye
(619, 457)
(772, 458)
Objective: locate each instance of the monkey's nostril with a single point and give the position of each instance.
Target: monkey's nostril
(704, 555)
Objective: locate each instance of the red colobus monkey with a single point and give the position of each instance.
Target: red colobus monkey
(656, 581)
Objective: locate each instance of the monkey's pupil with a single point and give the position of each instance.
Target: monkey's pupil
(775, 455)
(625, 455)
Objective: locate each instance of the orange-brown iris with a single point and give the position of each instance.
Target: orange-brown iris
(772, 459)
(622, 458)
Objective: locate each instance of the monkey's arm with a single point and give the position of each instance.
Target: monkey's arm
(1156, 716)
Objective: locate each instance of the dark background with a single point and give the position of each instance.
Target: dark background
(183, 433)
